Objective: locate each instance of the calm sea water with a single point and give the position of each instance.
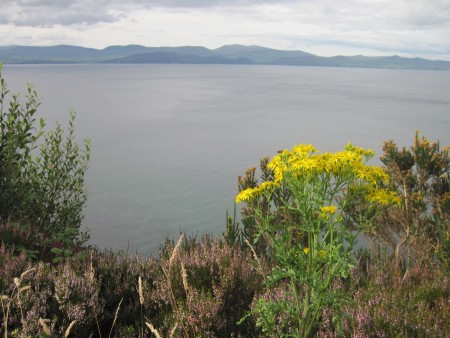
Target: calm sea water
(170, 140)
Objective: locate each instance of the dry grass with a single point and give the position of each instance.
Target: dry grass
(43, 323)
(184, 278)
(153, 330)
(175, 251)
(115, 317)
(255, 256)
(141, 292)
(69, 328)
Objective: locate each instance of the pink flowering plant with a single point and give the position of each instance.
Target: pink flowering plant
(308, 236)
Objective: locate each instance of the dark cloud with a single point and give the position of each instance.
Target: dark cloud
(45, 13)
(211, 3)
(415, 13)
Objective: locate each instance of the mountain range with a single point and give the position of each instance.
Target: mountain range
(229, 54)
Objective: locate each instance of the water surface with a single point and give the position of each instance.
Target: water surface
(170, 140)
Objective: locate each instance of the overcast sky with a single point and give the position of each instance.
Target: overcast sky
(414, 28)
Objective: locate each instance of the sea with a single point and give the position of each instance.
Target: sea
(169, 141)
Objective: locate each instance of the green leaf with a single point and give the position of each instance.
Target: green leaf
(57, 251)
(82, 255)
(57, 260)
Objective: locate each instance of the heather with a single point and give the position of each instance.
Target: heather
(288, 267)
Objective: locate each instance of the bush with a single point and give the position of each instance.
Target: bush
(205, 288)
(387, 305)
(41, 175)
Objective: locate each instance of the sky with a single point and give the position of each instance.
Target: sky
(410, 28)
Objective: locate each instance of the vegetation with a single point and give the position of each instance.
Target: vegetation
(42, 190)
(307, 238)
(288, 268)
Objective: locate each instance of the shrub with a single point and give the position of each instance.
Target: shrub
(387, 305)
(41, 174)
(418, 229)
(205, 288)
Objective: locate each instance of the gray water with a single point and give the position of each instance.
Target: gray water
(170, 140)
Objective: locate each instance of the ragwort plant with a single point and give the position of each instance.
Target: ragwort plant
(307, 237)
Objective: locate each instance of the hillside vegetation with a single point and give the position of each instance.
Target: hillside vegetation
(289, 268)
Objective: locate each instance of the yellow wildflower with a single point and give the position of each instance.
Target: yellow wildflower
(371, 174)
(278, 167)
(341, 161)
(246, 195)
(328, 210)
(306, 250)
(384, 196)
(305, 164)
(303, 149)
(267, 186)
(322, 254)
(360, 151)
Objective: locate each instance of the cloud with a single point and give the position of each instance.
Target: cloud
(426, 14)
(44, 13)
(408, 13)
(405, 27)
(212, 3)
(47, 13)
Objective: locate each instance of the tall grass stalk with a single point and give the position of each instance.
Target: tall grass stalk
(69, 328)
(153, 330)
(18, 290)
(141, 301)
(43, 322)
(255, 256)
(115, 318)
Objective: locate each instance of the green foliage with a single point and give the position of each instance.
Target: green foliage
(232, 234)
(307, 237)
(64, 245)
(18, 137)
(41, 174)
(418, 229)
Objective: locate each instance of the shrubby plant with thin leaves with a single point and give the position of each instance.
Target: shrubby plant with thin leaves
(312, 247)
(419, 228)
(41, 174)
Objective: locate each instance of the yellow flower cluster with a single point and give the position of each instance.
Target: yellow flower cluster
(304, 162)
(322, 253)
(251, 193)
(246, 195)
(328, 210)
(384, 196)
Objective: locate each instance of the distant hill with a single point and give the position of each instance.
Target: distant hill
(258, 54)
(173, 57)
(229, 54)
